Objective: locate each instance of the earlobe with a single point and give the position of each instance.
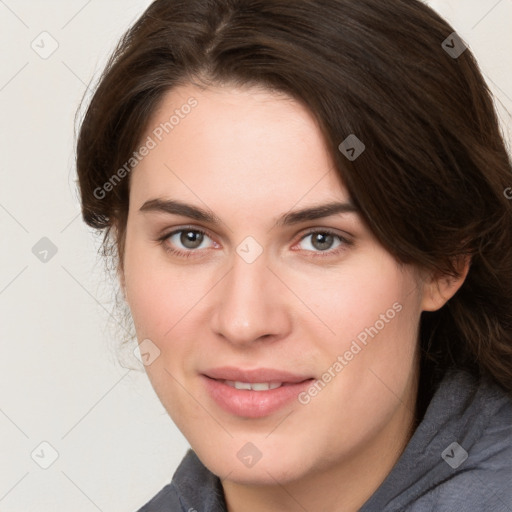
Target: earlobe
(439, 289)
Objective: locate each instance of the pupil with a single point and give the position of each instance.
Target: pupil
(322, 241)
(191, 239)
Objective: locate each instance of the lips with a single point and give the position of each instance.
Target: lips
(269, 375)
(253, 393)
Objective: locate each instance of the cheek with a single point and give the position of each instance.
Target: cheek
(369, 371)
(365, 293)
(382, 319)
(147, 299)
(157, 297)
(161, 302)
(373, 313)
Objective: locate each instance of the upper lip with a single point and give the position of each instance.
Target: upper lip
(256, 375)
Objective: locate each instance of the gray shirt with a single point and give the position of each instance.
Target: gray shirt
(458, 460)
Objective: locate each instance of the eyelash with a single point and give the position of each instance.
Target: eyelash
(177, 252)
(345, 243)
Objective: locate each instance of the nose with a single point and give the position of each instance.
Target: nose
(250, 304)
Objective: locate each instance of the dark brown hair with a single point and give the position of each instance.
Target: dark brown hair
(430, 183)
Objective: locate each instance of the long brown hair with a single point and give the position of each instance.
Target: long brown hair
(431, 183)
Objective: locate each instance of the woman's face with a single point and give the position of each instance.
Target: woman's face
(276, 290)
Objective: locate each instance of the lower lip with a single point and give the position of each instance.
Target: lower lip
(253, 404)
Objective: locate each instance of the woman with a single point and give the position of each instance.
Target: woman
(307, 202)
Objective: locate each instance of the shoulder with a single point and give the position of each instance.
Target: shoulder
(477, 459)
(460, 456)
(193, 488)
(484, 478)
(166, 500)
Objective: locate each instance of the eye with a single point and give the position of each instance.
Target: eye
(323, 241)
(189, 238)
(185, 241)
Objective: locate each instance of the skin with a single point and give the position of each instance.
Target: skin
(296, 307)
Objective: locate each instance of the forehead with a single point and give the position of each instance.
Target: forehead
(246, 143)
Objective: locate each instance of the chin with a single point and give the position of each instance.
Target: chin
(236, 466)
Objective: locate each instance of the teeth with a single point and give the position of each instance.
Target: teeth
(264, 386)
(255, 386)
(242, 385)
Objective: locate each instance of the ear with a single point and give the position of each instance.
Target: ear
(439, 289)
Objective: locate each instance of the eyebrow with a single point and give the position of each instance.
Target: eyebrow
(174, 207)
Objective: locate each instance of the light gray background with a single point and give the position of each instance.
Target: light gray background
(60, 381)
